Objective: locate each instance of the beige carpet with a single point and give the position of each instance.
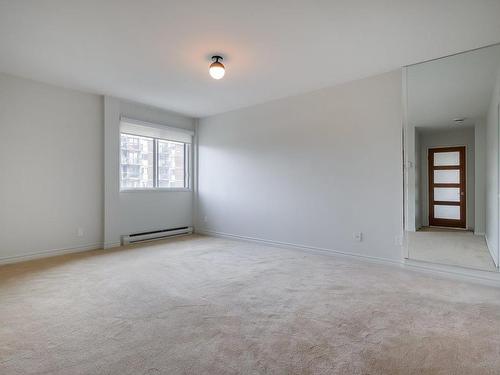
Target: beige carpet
(450, 246)
(201, 305)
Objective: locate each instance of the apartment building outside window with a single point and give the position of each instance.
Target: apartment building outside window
(151, 162)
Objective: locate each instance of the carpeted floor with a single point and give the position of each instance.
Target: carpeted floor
(201, 305)
(450, 246)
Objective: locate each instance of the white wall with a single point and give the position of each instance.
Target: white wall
(58, 179)
(308, 170)
(51, 159)
(418, 181)
(480, 177)
(444, 138)
(411, 178)
(130, 212)
(492, 201)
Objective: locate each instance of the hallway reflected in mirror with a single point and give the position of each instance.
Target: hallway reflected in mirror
(450, 246)
(452, 160)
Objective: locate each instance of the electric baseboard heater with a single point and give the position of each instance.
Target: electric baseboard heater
(155, 235)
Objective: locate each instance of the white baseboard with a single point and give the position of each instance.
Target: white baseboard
(50, 253)
(483, 277)
(110, 245)
(467, 274)
(288, 245)
(463, 274)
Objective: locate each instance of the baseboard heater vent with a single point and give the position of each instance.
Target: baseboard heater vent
(155, 235)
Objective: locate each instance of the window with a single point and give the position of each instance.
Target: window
(171, 164)
(154, 157)
(137, 162)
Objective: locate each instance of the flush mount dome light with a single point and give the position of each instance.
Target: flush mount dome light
(217, 69)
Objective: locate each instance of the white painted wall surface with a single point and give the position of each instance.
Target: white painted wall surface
(418, 182)
(309, 170)
(480, 177)
(51, 158)
(445, 138)
(131, 212)
(411, 178)
(492, 165)
(409, 150)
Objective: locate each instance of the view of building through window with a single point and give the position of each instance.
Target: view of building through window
(136, 164)
(171, 166)
(140, 156)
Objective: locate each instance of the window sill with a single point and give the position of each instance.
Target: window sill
(164, 190)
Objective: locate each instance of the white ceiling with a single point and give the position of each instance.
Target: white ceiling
(453, 87)
(157, 52)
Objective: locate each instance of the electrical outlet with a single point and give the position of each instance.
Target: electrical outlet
(358, 236)
(205, 219)
(80, 232)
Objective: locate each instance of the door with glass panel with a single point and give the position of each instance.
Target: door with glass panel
(447, 187)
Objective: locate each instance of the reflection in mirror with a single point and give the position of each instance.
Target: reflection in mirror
(452, 160)
(446, 158)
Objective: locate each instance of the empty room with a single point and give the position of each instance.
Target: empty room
(249, 187)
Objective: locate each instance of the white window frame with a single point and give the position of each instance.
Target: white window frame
(188, 158)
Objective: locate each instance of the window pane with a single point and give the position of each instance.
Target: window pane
(136, 162)
(447, 158)
(446, 176)
(171, 164)
(447, 212)
(447, 194)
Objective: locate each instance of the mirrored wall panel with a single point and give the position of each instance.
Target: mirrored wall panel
(452, 160)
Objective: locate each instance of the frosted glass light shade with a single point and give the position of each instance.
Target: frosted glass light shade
(217, 70)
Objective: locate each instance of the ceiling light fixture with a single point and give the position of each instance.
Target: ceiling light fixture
(459, 120)
(217, 69)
